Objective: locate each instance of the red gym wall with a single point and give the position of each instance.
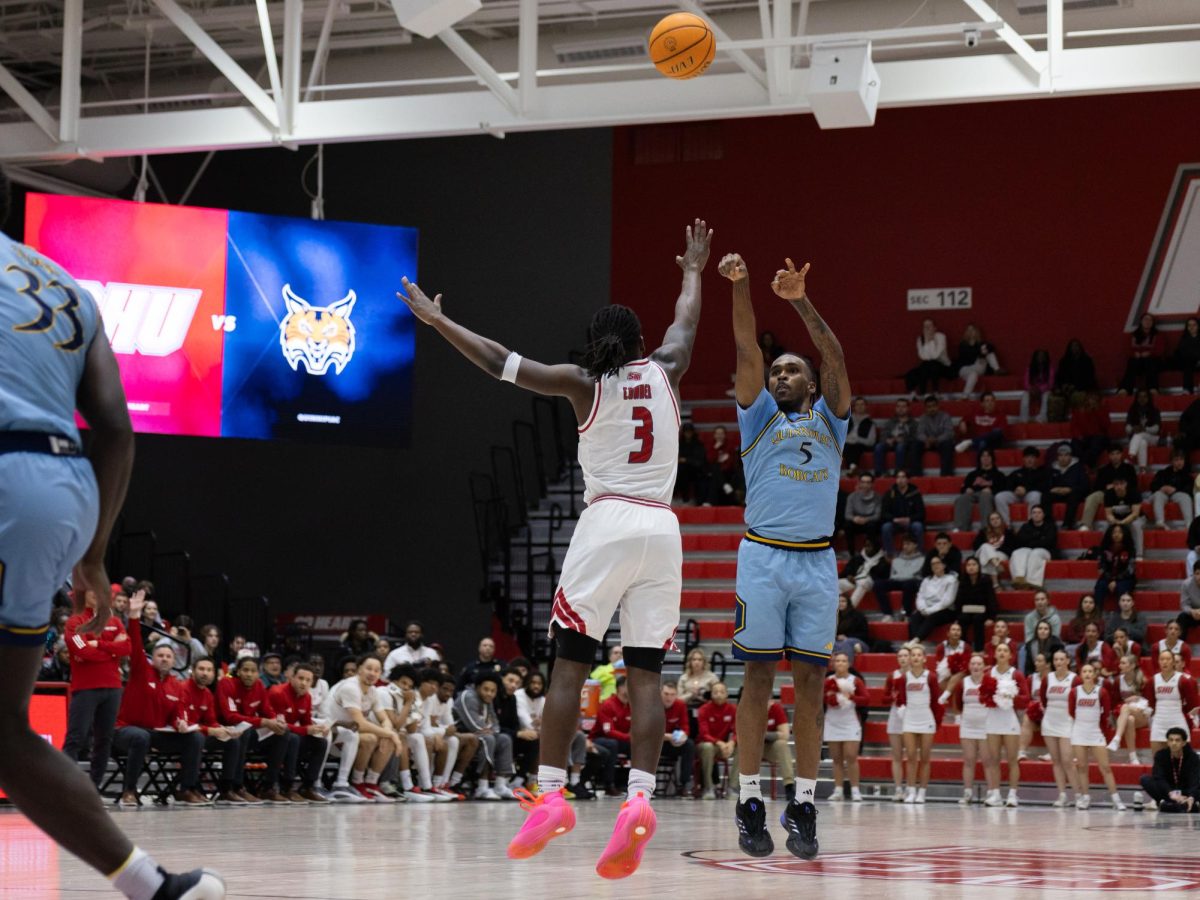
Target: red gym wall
(1046, 208)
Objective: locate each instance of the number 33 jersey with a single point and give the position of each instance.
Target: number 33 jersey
(792, 463)
(47, 323)
(629, 445)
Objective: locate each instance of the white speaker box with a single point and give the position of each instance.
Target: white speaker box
(843, 85)
(428, 17)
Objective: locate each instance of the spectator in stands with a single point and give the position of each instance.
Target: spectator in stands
(120, 608)
(237, 644)
(974, 602)
(862, 571)
(1173, 643)
(1000, 638)
(984, 428)
(1097, 651)
(150, 703)
(200, 708)
(243, 706)
(1174, 783)
(58, 627)
(214, 647)
(904, 576)
(359, 640)
(1106, 477)
(895, 722)
(356, 705)
(1087, 613)
(980, 486)
(864, 512)
(95, 677)
(845, 694)
(613, 727)
(151, 617)
(861, 435)
(347, 668)
(697, 679)
(1004, 692)
(1146, 351)
(725, 466)
(608, 673)
(972, 726)
(1039, 382)
(1122, 645)
(899, 436)
(852, 634)
(903, 511)
(383, 649)
(692, 483)
(934, 361)
(976, 357)
(185, 647)
(485, 662)
(1132, 709)
(1089, 429)
(306, 739)
(1068, 483)
(1035, 544)
(993, 546)
(918, 696)
(1043, 643)
(413, 651)
(935, 601)
(679, 750)
(1091, 708)
(1172, 484)
(1043, 609)
(1187, 353)
(944, 550)
(1125, 616)
(58, 666)
(1142, 425)
(771, 348)
(1188, 438)
(1123, 506)
(717, 735)
(271, 670)
(1076, 371)
(1117, 565)
(935, 431)
(1028, 484)
(1189, 601)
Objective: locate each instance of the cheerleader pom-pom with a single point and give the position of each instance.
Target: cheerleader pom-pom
(844, 702)
(943, 670)
(959, 662)
(900, 711)
(1035, 713)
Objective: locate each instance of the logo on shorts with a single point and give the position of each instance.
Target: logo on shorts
(829, 646)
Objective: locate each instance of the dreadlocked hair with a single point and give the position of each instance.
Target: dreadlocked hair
(614, 338)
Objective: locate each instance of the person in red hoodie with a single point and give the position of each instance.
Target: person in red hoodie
(152, 701)
(200, 708)
(611, 731)
(718, 734)
(243, 706)
(306, 741)
(677, 744)
(95, 687)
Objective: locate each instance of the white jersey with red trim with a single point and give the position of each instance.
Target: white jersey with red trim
(973, 724)
(1089, 709)
(1056, 718)
(629, 446)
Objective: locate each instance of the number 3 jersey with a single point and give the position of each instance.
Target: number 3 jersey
(47, 323)
(792, 463)
(629, 445)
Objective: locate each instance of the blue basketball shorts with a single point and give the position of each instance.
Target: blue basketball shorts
(48, 511)
(786, 604)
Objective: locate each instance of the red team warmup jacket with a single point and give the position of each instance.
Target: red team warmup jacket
(677, 717)
(199, 706)
(150, 701)
(95, 667)
(613, 720)
(237, 703)
(717, 723)
(901, 695)
(296, 711)
(987, 690)
(860, 697)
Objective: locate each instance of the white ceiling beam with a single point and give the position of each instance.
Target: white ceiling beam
(1054, 40)
(741, 57)
(482, 69)
(527, 54)
(28, 103)
(268, 42)
(963, 79)
(1008, 34)
(293, 29)
(321, 56)
(72, 88)
(780, 58)
(241, 81)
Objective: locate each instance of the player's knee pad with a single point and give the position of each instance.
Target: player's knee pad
(648, 658)
(573, 646)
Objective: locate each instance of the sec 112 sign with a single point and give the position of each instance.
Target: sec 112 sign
(920, 299)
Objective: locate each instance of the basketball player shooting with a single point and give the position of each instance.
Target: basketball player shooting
(787, 593)
(626, 552)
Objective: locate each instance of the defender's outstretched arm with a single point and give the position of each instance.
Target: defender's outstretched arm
(675, 354)
(835, 382)
(748, 382)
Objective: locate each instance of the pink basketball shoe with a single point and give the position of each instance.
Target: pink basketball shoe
(635, 826)
(550, 816)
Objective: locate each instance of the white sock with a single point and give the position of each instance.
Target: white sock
(373, 777)
(641, 782)
(455, 778)
(139, 878)
(806, 789)
(356, 777)
(420, 754)
(573, 779)
(550, 779)
(749, 786)
(406, 781)
(451, 758)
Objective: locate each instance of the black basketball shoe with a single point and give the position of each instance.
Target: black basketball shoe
(198, 884)
(800, 820)
(753, 837)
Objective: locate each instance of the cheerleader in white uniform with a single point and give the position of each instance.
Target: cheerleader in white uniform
(1171, 695)
(1031, 725)
(972, 724)
(1004, 692)
(845, 694)
(1091, 708)
(1127, 690)
(922, 716)
(895, 723)
(1174, 642)
(952, 656)
(1055, 695)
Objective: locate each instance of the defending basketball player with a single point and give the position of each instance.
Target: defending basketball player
(57, 511)
(787, 593)
(626, 551)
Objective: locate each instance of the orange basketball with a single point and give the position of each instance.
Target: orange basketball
(682, 45)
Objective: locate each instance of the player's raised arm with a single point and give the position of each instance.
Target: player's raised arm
(748, 382)
(675, 354)
(835, 382)
(497, 360)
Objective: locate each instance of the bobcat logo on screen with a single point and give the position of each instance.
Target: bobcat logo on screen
(317, 336)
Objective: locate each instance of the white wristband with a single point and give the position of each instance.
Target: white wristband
(511, 365)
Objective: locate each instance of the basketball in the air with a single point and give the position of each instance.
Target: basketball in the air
(682, 45)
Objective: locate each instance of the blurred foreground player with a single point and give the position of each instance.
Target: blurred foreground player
(626, 551)
(57, 511)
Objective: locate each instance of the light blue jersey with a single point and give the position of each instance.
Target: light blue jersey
(792, 463)
(47, 324)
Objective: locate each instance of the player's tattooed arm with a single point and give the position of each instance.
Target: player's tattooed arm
(675, 354)
(835, 382)
(748, 382)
